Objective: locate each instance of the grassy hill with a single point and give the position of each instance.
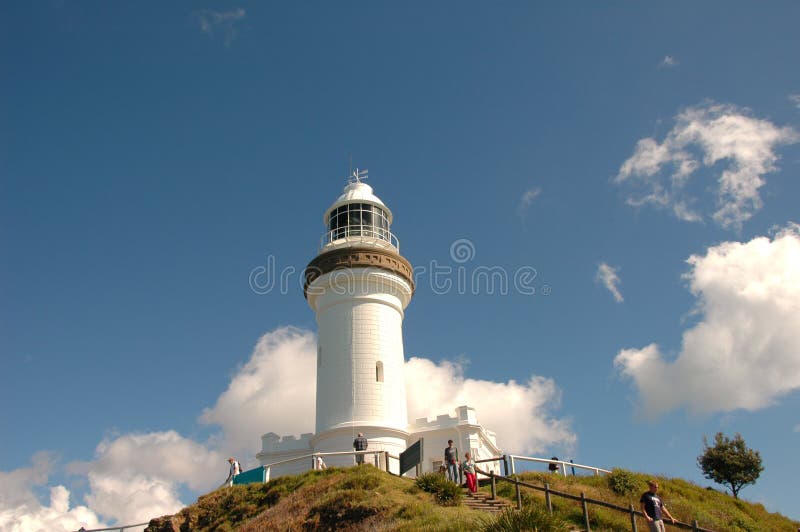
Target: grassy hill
(363, 498)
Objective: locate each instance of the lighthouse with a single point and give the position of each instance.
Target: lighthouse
(359, 286)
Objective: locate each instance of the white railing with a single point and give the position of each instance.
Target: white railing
(116, 528)
(315, 462)
(560, 463)
(339, 237)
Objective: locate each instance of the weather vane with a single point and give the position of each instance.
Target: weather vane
(357, 175)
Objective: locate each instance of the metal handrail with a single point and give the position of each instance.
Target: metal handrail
(314, 455)
(563, 464)
(120, 528)
(368, 236)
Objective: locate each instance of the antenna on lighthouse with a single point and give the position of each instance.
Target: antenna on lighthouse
(357, 175)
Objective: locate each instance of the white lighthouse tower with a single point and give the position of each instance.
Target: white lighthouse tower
(359, 286)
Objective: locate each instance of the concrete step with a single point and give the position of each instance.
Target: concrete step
(484, 503)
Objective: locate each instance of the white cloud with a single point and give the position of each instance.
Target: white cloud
(607, 276)
(220, 22)
(797, 428)
(711, 136)
(135, 477)
(669, 61)
(132, 500)
(281, 371)
(288, 355)
(527, 200)
(743, 352)
(795, 99)
(520, 413)
(20, 509)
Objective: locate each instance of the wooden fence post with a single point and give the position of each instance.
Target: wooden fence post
(695, 527)
(547, 497)
(505, 465)
(494, 485)
(519, 496)
(633, 519)
(585, 512)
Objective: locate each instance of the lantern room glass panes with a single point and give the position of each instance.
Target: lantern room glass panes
(358, 219)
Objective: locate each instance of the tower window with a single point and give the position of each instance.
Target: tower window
(379, 371)
(358, 219)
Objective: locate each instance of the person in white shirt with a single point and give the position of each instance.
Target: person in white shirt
(234, 470)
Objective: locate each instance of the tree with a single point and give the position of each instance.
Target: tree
(730, 463)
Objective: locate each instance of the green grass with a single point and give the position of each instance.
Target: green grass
(686, 501)
(364, 498)
(356, 498)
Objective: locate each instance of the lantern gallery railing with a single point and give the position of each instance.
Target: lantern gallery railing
(343, 236)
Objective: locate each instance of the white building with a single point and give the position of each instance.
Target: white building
(359, 287)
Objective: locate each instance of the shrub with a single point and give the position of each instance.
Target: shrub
(622, 482)
(447, 493)
(535, 518)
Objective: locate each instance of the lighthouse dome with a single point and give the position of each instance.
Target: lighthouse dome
(358, 216)
(357, 192)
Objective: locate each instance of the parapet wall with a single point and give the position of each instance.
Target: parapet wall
(272, 443)
(465, 415)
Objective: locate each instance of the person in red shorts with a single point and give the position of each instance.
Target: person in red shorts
(468, 467)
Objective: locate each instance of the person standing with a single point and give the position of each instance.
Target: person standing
(234, 470)
(360, 444)
(451, 461)
(468, 467)
(653, 508)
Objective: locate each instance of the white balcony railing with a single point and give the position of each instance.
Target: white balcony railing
(347, 236)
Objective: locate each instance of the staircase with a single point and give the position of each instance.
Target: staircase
(483, 502)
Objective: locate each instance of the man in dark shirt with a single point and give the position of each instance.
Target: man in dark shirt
(654, 509)
(451, 461)
(360, 444)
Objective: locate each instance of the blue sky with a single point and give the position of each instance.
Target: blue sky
(153, 156)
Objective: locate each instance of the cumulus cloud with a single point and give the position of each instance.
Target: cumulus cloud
(724, 140)
(20, 509)
(742, 354)
(135, 477)
(607, 276)
(277, 385)
(669, 61)
(520, 413)
(527, 200)
(220, 23)
(795, 99)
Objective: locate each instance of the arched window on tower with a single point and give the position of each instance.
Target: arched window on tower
(379, 371)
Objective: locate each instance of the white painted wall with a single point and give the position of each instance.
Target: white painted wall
(360, 316)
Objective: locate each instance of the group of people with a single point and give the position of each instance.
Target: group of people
(467, 467)
(652, 506)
